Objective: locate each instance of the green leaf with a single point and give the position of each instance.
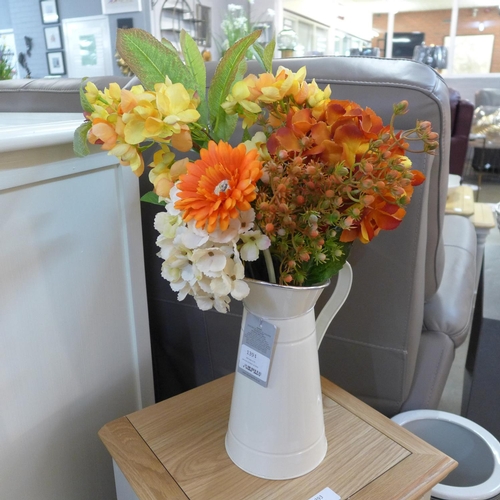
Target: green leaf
(169, 45)
(319, 273)
(80, 143)
(227, 71)
(269, 55)
(86, 106)
(196, 65)
(246, 135)
(150, 60)
(258, 52)
(152, 197)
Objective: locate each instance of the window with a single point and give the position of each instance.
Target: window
(312, 36)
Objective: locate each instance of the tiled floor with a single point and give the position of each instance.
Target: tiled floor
(452, 395)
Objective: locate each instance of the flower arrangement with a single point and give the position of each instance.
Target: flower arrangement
(284, 205)
(237, 24)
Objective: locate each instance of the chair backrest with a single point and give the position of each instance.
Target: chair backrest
(462, 112)
(487, 97)
(371, 346)
(48, 95)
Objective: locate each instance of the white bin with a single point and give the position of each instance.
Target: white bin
(477, 452)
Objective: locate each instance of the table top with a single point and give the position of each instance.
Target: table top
(483, 216)
(21, 131)
(175, 449)
(460, 201)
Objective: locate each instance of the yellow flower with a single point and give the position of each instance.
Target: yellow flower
(239, 95)
(237, 102)
(285, 83)
(135, 122)
(316, 95)
(91, 92)
(175, 104)
(129, 156)
(165, 173)
(259, 142)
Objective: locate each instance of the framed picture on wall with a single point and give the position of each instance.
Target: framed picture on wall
(119, 6)
(55, 61)
(49, 11)
(53, 38)
(87, 43)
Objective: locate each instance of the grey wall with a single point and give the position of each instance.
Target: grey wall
(24, 17)
(5, 22)
(26, 20)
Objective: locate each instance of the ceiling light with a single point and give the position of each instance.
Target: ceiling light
(481, 26)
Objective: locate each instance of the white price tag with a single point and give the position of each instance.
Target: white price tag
(254, 363)
(326, 494)
(256, 349)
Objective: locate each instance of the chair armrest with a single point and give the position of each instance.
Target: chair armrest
(450, 309)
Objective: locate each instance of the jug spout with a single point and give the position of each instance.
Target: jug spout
(335, 302)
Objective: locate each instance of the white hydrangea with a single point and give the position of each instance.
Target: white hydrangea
(208, 266)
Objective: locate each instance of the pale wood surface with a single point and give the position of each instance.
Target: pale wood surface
(180, 444)
(460, 201)
(483, 216)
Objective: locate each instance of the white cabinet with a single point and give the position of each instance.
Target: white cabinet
(74, 333)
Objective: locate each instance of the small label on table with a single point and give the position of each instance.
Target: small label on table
(326, 494)
(256, 349)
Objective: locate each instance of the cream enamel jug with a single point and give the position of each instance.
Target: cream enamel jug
(278, 431)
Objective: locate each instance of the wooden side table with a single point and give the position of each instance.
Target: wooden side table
(175, 450)
(483, 220)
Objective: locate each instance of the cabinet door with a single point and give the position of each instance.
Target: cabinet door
(73, 321)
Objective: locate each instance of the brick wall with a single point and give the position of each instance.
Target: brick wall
(436, 25)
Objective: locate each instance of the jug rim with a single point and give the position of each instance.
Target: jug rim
(289, 287)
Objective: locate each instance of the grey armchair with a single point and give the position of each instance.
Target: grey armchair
(393, 342)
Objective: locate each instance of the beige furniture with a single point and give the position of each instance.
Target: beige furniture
(75, 349)
(460, 201)
(175, 449)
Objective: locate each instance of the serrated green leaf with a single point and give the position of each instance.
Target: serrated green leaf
(258, 53)
(269, 55)
(319, 273)
(169, 45)
(150, 60)
(225, 75)
(86, 106)
(80, 143)
(196, 65)
(194, 62)
(242, 69)
(152, 197)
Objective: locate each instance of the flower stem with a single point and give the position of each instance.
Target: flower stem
(269, 265)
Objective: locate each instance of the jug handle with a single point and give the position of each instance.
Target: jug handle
(335, 302)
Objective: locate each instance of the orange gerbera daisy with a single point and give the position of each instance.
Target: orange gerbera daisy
(219, 185)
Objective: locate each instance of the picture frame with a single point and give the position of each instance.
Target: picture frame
(53, 38)
(55, 62)
(87, 45)
(50, 14)
(125, 23)
(120, 6)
